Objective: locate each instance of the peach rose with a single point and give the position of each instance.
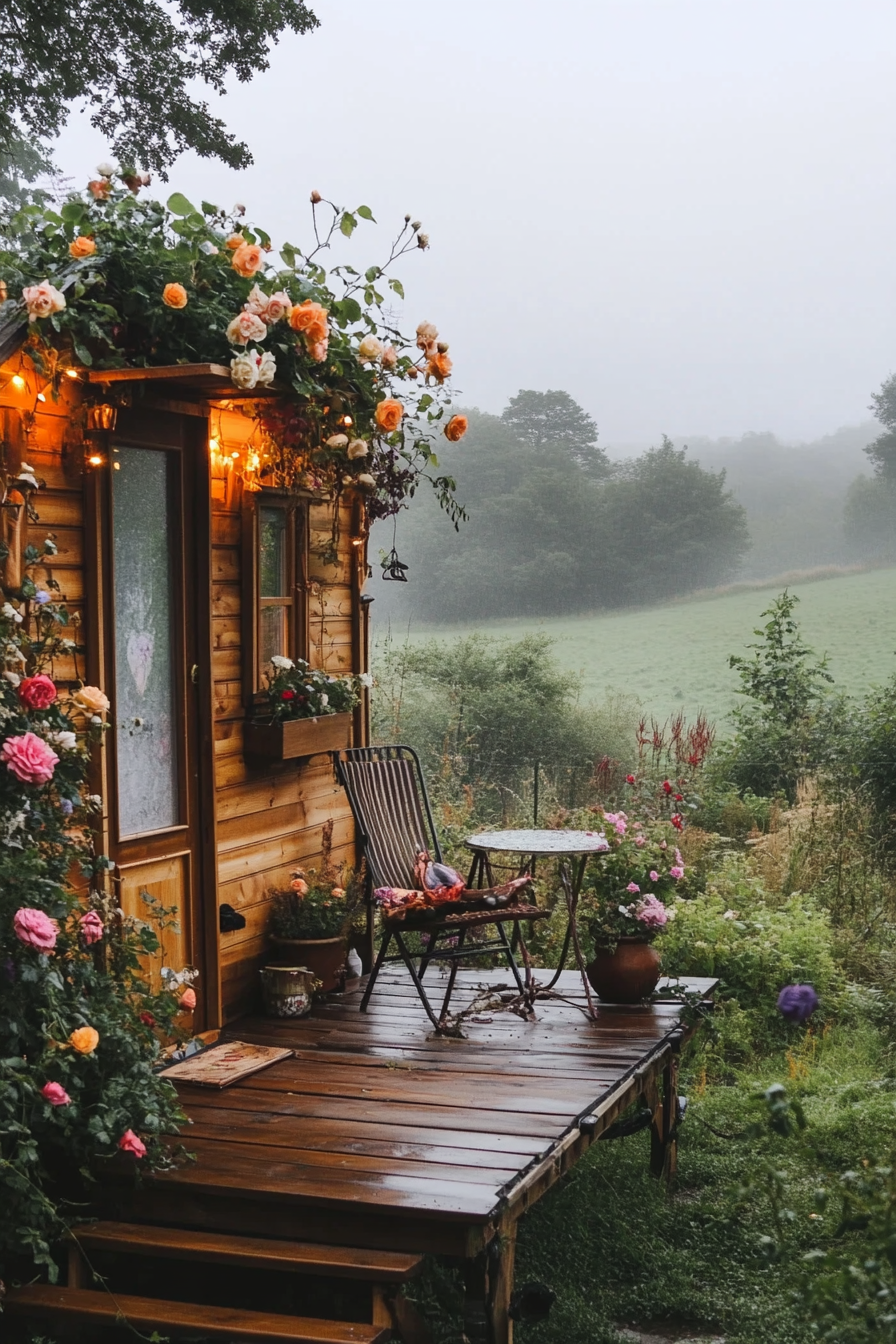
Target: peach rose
(388, 414)
(82, 247)
(456, 428)
(29, 758)
(35, 929)
(246, 327)
(175, 296)
(317, 352)
(299, 885)
(99, 188)
(42, 300)
(438, 366)
(91, 699)
(85, 1040)
(369, 349)
(129, 1143)
(247, 259)
(187, 1000)
(390, 357)
(310, 319)
(427, 335)
(234, 241)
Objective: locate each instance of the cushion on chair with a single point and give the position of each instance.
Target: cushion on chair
(396, 902)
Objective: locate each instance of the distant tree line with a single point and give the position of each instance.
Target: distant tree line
(556, 528)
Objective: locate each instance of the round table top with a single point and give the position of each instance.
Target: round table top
(539, 842)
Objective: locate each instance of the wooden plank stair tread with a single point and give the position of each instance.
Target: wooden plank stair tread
(98, 1308)
(300, 1257)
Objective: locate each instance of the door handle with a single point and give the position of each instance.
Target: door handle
(194, 674)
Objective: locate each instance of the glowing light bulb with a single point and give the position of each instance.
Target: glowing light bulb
(95, 460)
(41, 397)
(72, 373)
(347, 420)
(18, 381)
(214, 445)
(234, 456)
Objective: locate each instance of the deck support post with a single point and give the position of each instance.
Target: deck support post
(475, 1273)
(663, 1141)
(502, 1254)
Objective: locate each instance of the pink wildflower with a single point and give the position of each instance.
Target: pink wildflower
(654, 875)
(676, 872)
(651, 912)
(634, 888)
(640, 841)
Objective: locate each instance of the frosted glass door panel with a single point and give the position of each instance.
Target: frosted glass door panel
(145, 686)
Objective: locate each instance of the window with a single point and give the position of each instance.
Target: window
(274, 622)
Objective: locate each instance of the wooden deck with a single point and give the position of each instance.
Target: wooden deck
(378, 1134)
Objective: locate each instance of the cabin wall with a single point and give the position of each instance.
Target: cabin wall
(269, 819)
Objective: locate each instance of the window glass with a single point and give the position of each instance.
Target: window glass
(272, 552)
(274, 634)
(145, 687)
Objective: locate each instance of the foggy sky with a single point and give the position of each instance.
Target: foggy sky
(681, 211)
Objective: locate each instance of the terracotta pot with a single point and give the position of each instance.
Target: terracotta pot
(627, 975)
(324, 957)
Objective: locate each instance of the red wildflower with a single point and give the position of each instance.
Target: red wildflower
(677, 822)
(287, 695)
(679, 797)
(667, 787)
(147, 1019)
(629, 779)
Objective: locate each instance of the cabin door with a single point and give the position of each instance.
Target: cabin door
(151, 663)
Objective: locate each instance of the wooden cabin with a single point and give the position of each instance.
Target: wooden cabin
(184, 574)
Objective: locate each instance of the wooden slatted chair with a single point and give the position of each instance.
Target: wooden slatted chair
(390, 805)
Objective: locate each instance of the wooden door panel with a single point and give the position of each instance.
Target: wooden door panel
(168, 882)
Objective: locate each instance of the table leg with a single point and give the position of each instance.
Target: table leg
(571, 879)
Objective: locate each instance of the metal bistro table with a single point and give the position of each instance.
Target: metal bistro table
(573, 849)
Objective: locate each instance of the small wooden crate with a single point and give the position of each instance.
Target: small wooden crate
(291, 739)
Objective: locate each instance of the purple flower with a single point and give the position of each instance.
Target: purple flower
(41, 597)
(797, 1003)
(66, 807)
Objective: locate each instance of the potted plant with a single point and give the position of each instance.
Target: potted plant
(311, 921)
(301, 711)
(627, 899)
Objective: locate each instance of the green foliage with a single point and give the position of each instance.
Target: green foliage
(553, 532)
(140, 81)
(781, 733)
(869, 518)
(482, 712)
(882, 451)
(297, 691)
(737, 931)
(87, 971)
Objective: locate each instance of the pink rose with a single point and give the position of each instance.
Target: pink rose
(91, 927)
(42, 300)
(278, 306)
(317, 351)
(634, 888)
(677, 871)
(29, 758)
(621, 827)
(55, 1094)
(35, 929)
(37, 692)
(129, 1143)
(640, 841)
(654, 875)
(651, 912)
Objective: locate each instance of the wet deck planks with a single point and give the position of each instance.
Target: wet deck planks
(375, 1118)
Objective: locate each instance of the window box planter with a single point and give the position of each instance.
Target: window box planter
(291, 739)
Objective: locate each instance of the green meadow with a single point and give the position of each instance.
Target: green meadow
(675, 657)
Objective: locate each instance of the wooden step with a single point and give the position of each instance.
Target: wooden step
(299, 1257)
(148, 1313)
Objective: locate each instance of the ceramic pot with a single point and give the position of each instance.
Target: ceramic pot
(325, 957)
(627, 975)
(287, 990)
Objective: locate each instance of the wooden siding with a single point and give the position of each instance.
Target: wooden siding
(270, 819)
(266, 820)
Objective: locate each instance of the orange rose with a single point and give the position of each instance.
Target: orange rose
(99, 188)
(234, 241)
(299, 885)
(82, 247)
(175, 296)
(439, 366)
(456, 428)
(310, 319)
(247, 259)
(388, 414)
(85, 1040)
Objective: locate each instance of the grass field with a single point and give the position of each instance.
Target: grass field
(676, 657)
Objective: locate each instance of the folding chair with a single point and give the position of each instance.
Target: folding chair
(390, 805)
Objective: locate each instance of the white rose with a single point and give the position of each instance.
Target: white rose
(357, 448)
(244, 372)
(337, 441)
(11, 614)
(105, 169)
(13, 678)
(366, 479)
(42, 300)
(245, 327)
(324, 698)
(65, 740)
(267, 368)
(209, 248)
(279, 661)
(366, 680)
(369, 349)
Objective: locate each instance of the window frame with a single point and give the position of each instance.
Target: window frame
(296, 599)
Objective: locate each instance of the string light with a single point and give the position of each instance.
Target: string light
(18, 382)
(347, 420)
(72, 373)
(41, 397)
(95, 460)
